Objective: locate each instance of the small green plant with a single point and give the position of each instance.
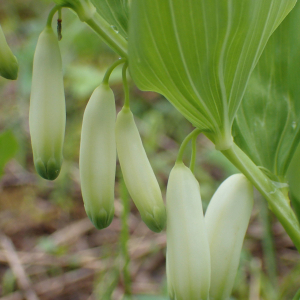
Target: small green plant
(230, 68)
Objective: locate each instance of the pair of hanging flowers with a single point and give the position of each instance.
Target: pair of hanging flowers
(203, 253)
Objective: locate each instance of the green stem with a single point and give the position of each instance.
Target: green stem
(111, 68)
(292, 151)
(125, 84)
(59, 14)
(86, 12)
(108, 34)
(51, 15)
(125, 237)
(194, 153)
(297, 296)
(267, 242)
(195, 132)
(279, 203)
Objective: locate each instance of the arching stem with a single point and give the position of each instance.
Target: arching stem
(51, 15)
(194, 153)
(111, 68)
(125, 84)
(195, 132)
(108, 35)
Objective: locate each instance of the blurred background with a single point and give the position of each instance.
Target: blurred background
(48, 247)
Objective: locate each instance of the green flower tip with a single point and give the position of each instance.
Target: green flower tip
(9, 66)
(156, 221)
(48, 170)
(100, 219)
(11, 70)
(84, 8)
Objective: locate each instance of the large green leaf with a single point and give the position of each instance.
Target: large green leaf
(200, 53)
(115, 12)
(8, 148)
(267, 125)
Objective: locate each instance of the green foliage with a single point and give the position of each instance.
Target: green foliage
(293, 176)
(267, 126)
(108, 281)
(49, 246)
(116, 13)
(125, 236)
(199, 54)
(297, 296)
(8, 282)
(8, 148)
(145, 297)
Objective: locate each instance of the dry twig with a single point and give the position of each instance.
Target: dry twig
(53, 287)
(17, 268)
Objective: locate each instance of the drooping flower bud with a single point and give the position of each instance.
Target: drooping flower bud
(47, 115)
(138, 174)
(227, 218)
(8, 62)
(188, 257)
(97, 162)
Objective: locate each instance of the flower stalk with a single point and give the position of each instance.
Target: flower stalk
(87, 13)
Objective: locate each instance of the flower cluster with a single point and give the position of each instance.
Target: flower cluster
(101, 136)
(202, 251)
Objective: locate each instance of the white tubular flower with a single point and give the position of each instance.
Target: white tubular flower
(8, 62)
(188, 258)
(227, 218)
(138, 174)
(47, 115)
(97, 161)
